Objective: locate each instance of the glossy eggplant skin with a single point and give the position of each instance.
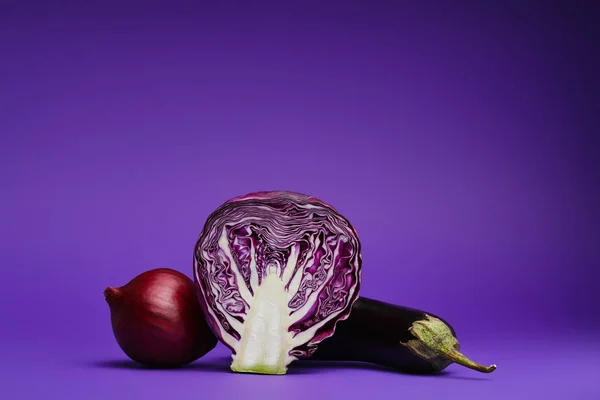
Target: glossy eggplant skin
(374, 333)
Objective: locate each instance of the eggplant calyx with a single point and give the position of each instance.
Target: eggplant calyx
(436, 343)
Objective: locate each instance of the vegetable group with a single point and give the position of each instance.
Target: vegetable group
(276, 274)
(157, 321)
(275, 271)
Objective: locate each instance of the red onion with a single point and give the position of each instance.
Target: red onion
(157, 321)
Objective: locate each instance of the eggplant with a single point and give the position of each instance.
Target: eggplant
(397, 337)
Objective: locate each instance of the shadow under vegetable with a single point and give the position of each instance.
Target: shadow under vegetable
(312, 366)
(220, 364)
(300, 367)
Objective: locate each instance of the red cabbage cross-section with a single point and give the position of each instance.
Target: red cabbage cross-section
(275, 271)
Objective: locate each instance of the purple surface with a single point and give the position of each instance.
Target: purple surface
(460, 139)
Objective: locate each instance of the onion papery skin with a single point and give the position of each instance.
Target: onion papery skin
(157, 321)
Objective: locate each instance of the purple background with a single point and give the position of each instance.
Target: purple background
(458, 137)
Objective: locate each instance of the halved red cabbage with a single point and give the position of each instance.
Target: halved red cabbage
(275, 271)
